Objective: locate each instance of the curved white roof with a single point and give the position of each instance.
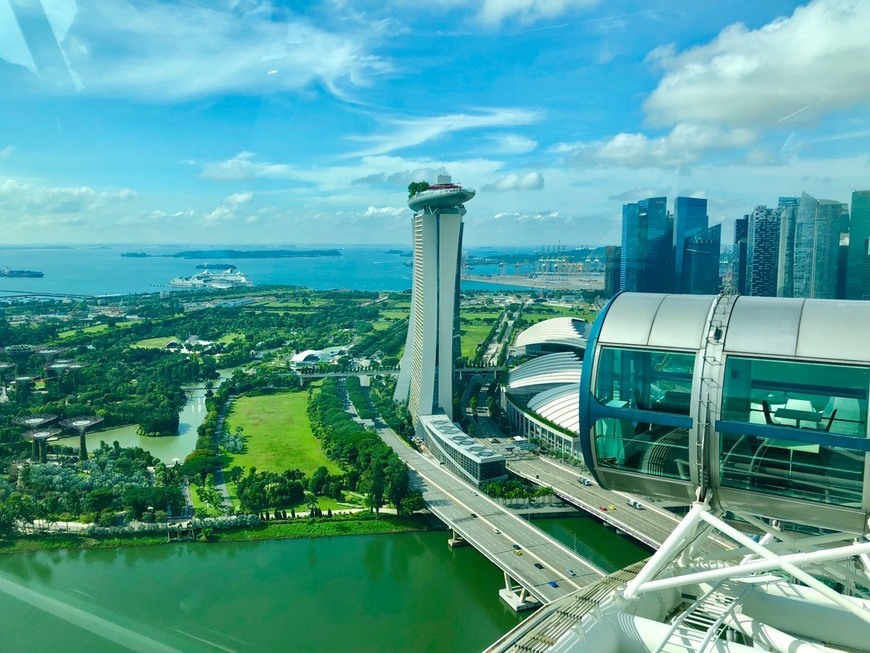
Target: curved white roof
(559, 368)
(560, 405)
(568, 331)
(307, 356)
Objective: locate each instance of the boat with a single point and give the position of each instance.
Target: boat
(223, 279)
(29, 274)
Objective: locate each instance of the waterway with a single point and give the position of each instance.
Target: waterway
(168, 449)
(406, 592)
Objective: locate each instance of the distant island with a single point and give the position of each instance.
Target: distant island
(238, 253)
(262, 253)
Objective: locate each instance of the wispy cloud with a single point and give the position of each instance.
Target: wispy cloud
(511, 144)
(242, 167)
(158, 51)
(403, 133)
(6, 151)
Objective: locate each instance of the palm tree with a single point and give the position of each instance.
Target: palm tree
(311, 502)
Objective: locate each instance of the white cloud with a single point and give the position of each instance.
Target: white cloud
(791, 71)
(242, 167)
(684, 144)
(239, 198)
(6, 151)
(168, 51)
(513, 181)
(512, 144)
(394, 211)
(405, 133)
(495, 12)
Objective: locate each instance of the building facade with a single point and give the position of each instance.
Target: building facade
(858, 258)
(701, 253)
(690, 219)
(426, 370)
(817, 247)
(762, 249)
(646, 246)
(788, 211)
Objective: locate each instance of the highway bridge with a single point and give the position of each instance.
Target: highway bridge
(537, 568)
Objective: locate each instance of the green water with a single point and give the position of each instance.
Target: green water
(383, 593)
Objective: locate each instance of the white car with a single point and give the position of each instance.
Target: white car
(496, 531)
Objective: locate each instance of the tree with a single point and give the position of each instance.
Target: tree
(413, 502)
(397, 483)
(373, 485)
(311, 503)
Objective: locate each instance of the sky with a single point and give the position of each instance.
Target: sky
(250, 122)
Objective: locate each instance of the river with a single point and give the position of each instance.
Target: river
(406, 592)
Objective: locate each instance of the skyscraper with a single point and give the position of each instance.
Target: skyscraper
(738, 264)
(816, 247)
(612, 260)
(701, 262)
(426, 371)
(690, 218)
(858, 258)
(646, 246)
(762, 247)
(788, 211)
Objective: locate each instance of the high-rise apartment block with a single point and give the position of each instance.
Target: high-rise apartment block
(762, 247)
(788, 212)
(426, 371)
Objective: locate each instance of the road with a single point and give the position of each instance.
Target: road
(494, 530)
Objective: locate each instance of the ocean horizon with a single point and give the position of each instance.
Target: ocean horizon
(102, 270)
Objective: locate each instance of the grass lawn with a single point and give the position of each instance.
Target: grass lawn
(96, 328)
(471, 334)
(277, 434)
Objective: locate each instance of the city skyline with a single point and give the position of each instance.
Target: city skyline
(251, 123)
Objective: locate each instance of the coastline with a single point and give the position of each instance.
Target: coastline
(291, 529)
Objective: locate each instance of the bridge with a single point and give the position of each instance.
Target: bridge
(649, 523)
(537, 568)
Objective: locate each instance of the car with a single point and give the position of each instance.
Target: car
(538, 565)
(496, 531)
(518, 553)
(637, 505)
(475, 494)
(553, 583)
(585, 481)
(474, 515)
(517, 546)
(602, 508)
(611, 507)
(571, 572)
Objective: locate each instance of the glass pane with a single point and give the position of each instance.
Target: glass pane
(652, 449)
(644, 379)
(792, 469)
(831, 398)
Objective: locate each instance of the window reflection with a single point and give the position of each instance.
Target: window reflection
(655, 382)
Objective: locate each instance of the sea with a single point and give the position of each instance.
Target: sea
(101, 270)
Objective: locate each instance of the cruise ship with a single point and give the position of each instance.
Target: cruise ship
(222, 279)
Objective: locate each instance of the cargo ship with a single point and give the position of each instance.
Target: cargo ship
(28, 274)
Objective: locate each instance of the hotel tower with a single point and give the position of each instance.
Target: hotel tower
(426, 371)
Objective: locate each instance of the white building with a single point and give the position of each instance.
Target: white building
(426, 371)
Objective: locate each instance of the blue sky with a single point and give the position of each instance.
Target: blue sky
(254, 122)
